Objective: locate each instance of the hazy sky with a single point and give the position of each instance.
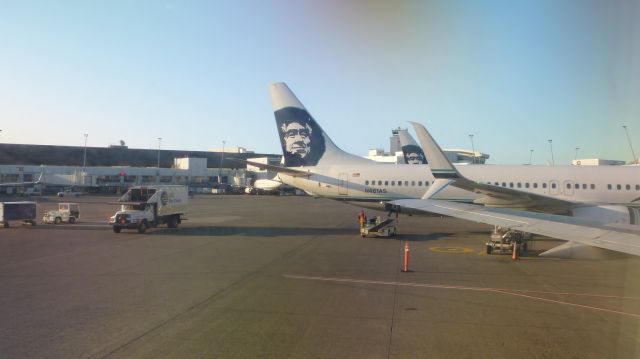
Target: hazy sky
(513, 73)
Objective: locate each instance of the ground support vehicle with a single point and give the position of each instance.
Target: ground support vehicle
(67, 212)
(143, 207)
(17, 211)
(503, 241)
(376, 227)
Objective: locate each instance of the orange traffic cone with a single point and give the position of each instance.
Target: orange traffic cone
(406, 257)
(515, 250)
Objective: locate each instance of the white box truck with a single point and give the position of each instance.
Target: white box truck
(17, 211)
(149, 206)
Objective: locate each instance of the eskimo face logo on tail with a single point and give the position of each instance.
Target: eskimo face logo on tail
(413, 155)
(300, 136)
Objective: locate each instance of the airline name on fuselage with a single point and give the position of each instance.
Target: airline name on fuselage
(375, 190)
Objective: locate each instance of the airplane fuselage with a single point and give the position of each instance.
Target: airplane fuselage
(383, 182)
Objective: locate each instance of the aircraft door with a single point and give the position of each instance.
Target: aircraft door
(568, 188)
(553, 187)
(343, 184)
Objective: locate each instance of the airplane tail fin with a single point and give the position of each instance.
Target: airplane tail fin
(411, 152)
(303, 141)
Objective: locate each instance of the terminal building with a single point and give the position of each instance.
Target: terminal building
(114, 168)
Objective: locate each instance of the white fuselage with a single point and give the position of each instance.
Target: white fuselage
(382, 182)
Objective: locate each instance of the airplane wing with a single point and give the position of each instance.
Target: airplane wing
(441, 168)
(22, 184)
(615, 237)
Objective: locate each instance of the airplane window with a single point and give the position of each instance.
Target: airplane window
(386, 183)
(393, 183)
(496, 183)
(419, 183)
(379, 183)
(638, 187)
(406, 183)
(535, 184)
(426, 183)
(413, 183)
(628, 187)
(526, 185)
(399, 183)
(584, 186)
(504, 184)
(519, 185)
(511, 184)
(609, 186)
(366, 183)
(593, 186)
(553, 185)
(619, 187)
(568, 185)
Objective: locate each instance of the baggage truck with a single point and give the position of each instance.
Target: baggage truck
(17, 211)
(143, 207)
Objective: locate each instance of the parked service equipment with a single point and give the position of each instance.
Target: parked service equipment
(67, 212)
(502, 242)
(149, 206)
(379, 228)
(17, 211)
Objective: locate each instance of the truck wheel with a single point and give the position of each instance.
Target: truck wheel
(489, 249)
(117, 229)
(57, 220)
(143, 227)
(72, 220)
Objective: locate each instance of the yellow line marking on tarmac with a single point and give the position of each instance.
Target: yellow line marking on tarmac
(450, 249)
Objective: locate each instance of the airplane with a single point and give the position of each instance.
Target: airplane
(595, 224)
(23, 184)
(314, 164)
(30, 188)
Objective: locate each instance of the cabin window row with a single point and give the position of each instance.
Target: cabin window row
(619, 187)
(543, 185)
(394, 183)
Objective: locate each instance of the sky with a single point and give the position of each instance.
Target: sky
(195, 73)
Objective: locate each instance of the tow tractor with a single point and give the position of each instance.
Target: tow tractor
(67, 212)
(375, 227)
(502, 241)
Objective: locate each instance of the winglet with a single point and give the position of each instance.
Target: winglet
(438, 162)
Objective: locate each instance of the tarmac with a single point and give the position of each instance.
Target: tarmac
(289, 277)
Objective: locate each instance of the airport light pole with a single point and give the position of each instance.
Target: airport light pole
(530, 156)
(473, 159)
(221, 160)
(158, 166)
(633, 153)
(159, 143)
(84, 160)
(553, 162)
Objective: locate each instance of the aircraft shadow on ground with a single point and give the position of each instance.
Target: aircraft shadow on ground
(421, 237)
(252, 231)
